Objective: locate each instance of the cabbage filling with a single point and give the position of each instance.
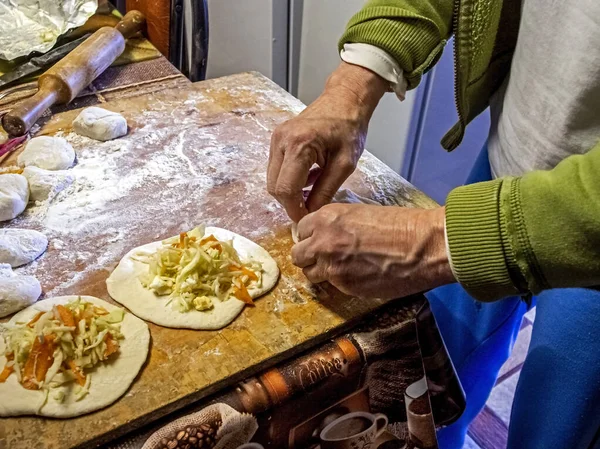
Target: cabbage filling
(61, 347)
(195, 271)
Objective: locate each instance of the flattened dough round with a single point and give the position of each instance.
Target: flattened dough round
(14, 195)
(16, 291)
(21, 246)
(125, 287)
(100, 124)
(109, 380)
(47, 152)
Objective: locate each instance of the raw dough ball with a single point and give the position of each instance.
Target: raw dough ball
(16, 291)
(100, 124)
(21, 246)
(14, 194)
(51, 153)
(46, 184)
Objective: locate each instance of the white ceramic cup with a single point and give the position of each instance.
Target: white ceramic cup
(352, 429)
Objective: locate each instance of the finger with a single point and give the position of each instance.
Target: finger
(305, 227)
(276, 152)
(332, 178)
(303, 255)
(315, 274)
(291, 180)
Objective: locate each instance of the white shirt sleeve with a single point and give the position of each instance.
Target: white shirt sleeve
(379, 61)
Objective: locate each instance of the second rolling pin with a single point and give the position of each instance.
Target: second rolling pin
(62, 82)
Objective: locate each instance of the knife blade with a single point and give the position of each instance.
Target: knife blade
(39, 62)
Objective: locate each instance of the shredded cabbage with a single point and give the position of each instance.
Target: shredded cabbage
(196, 270)
(57, 348)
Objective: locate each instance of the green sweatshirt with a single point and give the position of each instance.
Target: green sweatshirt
(511, 235)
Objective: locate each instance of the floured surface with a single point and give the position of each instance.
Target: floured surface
(125, 287)
(190, 156)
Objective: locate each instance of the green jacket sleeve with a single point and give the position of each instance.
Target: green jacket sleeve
(414, 32)
(523, 235)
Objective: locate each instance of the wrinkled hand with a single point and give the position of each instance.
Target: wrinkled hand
(374, 251)
(330, 133)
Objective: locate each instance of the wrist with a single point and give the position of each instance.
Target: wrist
(362, 87)
(438, 260)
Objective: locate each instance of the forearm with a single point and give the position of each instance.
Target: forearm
(524, 235)
(358, 85)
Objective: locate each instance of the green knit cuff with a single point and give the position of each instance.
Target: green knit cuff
(474, 226)
(414, 41)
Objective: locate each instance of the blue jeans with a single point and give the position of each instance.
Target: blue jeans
(557, 400)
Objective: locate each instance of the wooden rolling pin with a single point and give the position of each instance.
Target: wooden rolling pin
(62, 82)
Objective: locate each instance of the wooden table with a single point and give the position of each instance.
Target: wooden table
(192, 155)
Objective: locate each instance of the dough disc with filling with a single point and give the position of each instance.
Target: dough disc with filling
(110, 380)
(125, 287)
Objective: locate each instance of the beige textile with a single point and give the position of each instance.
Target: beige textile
(236, 428)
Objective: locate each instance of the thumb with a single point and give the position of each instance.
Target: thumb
(331, 179)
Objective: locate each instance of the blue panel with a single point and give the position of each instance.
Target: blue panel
(427, 165)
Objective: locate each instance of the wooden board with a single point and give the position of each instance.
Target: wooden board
(195, 155)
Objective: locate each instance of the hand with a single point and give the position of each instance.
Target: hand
(374, 251)
(331, 133)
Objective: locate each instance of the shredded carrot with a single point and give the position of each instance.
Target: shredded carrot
(38, 362)
(35, 319)
(8, 370)
(242, 294)
(210, 238)
(251, 274)
(65, 316)
(78, 372)
(112, 345)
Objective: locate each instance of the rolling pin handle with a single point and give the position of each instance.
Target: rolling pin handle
(19, 120)
(132, 22)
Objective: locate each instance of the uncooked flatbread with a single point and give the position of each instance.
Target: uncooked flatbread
(17, 291)
(21, 246)
(109, 380)
(100, 124)
(125, 287)
(47, 152)
(14, 195)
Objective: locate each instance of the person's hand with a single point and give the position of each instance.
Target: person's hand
(374, 251)
(330, 133)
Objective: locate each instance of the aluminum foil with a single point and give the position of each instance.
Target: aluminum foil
(35, 25)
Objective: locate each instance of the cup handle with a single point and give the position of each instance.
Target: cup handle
(381, 422)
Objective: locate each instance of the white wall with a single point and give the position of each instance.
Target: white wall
(247, 35)
(323, 22)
